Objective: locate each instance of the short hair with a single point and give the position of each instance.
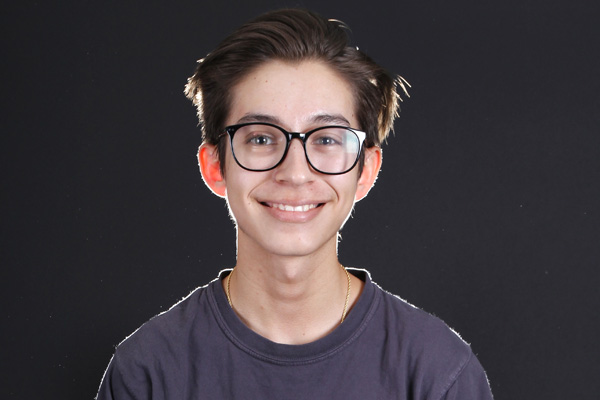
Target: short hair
(292, 35)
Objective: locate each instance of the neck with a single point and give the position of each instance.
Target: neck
(291, 300)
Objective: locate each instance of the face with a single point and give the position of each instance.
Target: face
(291, 210)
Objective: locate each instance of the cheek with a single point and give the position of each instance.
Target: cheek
(240, 184)
(236, 204)
(345, 189)
(235, 189)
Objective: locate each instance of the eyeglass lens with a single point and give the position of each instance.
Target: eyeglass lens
(329, 150)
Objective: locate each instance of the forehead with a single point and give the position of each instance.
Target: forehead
(298, 96)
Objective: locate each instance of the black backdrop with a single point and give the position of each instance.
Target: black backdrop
(486, 212)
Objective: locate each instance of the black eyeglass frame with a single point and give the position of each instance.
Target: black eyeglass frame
(303, 137)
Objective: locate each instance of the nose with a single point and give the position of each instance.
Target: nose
(295, 168)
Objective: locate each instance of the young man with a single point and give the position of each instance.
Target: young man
(292, 120)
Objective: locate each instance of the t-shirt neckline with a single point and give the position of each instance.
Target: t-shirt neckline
(262, 348)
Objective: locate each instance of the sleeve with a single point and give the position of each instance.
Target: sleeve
(471, 383)
(122, 382)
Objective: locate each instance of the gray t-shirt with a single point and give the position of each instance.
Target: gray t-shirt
(384, 349)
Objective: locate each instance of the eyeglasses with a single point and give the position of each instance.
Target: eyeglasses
(260, 146)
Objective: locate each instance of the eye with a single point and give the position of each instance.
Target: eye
(260, 140)
(328, 137)
(325, 141)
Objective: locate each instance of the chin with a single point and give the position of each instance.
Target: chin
(293, 249)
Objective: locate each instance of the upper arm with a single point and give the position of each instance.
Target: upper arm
(470, 384)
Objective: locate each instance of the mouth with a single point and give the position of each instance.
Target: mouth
(288, 207)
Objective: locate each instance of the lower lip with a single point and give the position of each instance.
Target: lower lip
(293, 216)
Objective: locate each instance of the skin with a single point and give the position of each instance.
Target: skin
(288, 285)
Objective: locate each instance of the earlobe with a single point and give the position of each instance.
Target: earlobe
(372, 165)
(210, 167)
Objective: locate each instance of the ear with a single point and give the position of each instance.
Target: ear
(372, 165)
(210, 167)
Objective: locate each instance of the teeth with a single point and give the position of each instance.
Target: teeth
(286, 207)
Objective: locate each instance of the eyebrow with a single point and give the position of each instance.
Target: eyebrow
(259, 118)
(336, 119)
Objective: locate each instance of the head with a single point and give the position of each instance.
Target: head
(292, 35)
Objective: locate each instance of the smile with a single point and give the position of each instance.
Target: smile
(286, 207)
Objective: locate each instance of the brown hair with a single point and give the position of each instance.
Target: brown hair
(292, 35)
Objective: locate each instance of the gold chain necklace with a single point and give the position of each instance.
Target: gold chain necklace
(347, 294)
(227, 292)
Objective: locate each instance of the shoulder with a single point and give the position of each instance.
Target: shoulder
(155, 351)
(403, 320)
(418, 326)
(166, 328)
(427, 349)
(161, 339)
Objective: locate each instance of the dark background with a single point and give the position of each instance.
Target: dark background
(486, 212)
